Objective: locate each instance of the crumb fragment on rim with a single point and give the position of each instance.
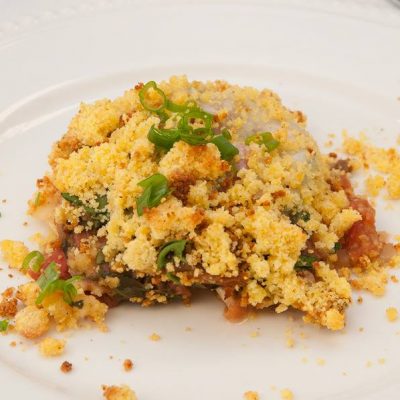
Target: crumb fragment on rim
(123, 392)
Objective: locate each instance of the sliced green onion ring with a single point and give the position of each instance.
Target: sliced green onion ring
(164, 138)
(176, 246)
(155, 188)
(185, 122)
(264, 138)
(34, 261)
(225, 147)
(144, 101)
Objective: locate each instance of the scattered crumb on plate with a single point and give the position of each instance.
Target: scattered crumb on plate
(155, 337)
(250, 395)
(321, 362)
(66, 367)
(123, 392)
(392, 314)
(286, 394)
(51, 347)
(128, 365)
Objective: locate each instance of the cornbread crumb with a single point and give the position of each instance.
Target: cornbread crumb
(123, 392)
(188, 329)
(13, 252)
(304, 360)
(321, 362)
(66, 367)
(255, 334)
(154, 337)
(13, 343)
(128, 365)
(287, 394)
(385, 161)
(32, 322)
(374, 184)
(359, 299)
(250, 395)
(369, 364)
(50, 347)
(289, 338)
(8, 307)
(381, 361)
(392, 314)
(361, 329)
(394, 279)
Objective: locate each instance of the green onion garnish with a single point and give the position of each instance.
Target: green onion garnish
(173, 277)
(264, 138)
(49, 283)
(193, 115)
(155, 188)
(34, 261)
(305, 262)
(3, 325)
(225, 147)
(143, 96)
(176, 246)
(194, 126)
(164, 138)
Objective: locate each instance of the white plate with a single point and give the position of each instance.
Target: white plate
(339, 64)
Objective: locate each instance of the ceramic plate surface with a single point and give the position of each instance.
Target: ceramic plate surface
(339, 64)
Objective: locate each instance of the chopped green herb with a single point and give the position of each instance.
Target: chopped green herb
(100, 257)
(49, 283)
(225, 147)
(296, 216)
(155, 188)
(3, 325)
(97, 216)
(305, 262)
(102, 201)
(74, 200)
(176, 247)
(34, 261)
(129, 287)
(264, 138)
(173, 277)
(78, 304)
(337, 247)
